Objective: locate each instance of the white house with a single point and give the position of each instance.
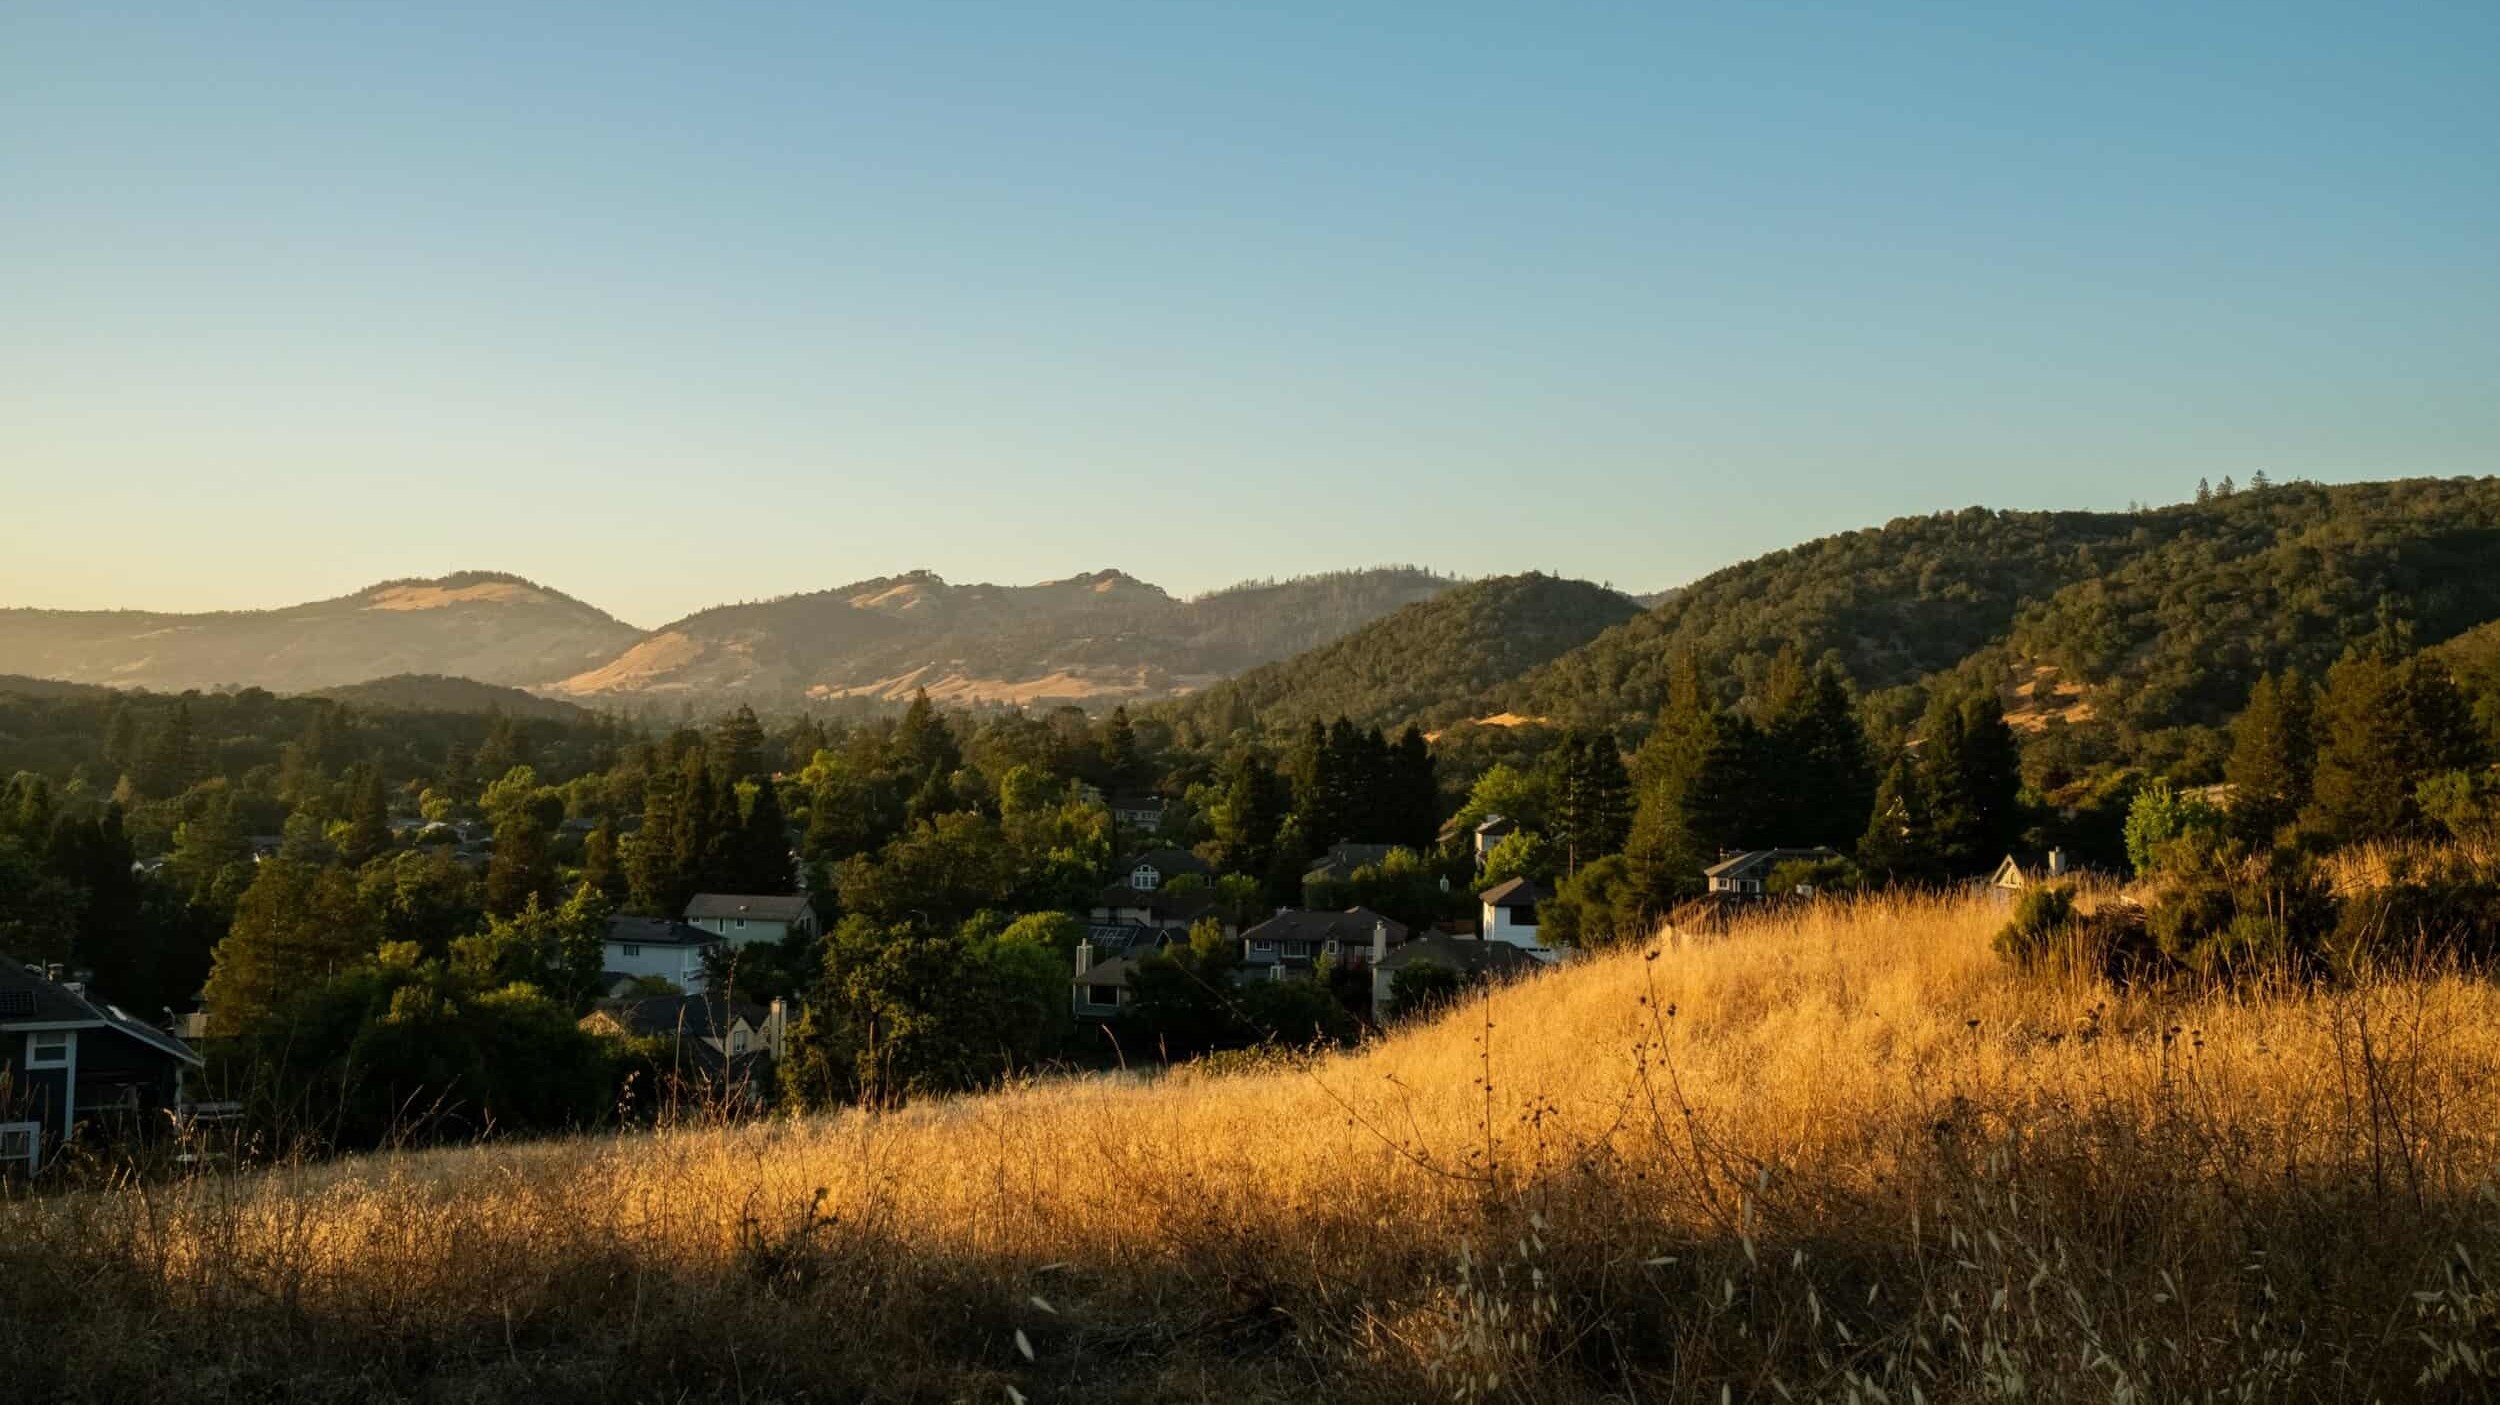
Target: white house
(744, 919)
(1510, 915)
(655, 946)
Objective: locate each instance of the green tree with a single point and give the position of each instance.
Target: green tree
(1592, 813)
(2160, 818)
(2384, 726)
(1899, 845)
(737, 746)
(1971, 776)
(2272, 756)
(294, 926)
(1822, 784)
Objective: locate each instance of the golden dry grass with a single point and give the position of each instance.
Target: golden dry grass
(1838, 1154)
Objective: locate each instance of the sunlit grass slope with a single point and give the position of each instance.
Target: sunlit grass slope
(1841, 1154)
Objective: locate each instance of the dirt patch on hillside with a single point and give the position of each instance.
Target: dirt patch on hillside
(436, 597)
(645, 665)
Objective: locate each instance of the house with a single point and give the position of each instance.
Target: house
(1163, 909)
(1746, 874)
(1296, 939)
(67, 1060)
(656, 946)
(1338, 865)
(1142, 814)
(731, 1028)
(1510, 914)
(1493, 831)
(1155, 867)
(2019, 872)
(1473, 959)
(1101, 987)
(747, 918)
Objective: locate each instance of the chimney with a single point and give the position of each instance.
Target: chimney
(1084, 956)
(2057, 863)
(1380, 941)
(776, 1023)
(53, 972)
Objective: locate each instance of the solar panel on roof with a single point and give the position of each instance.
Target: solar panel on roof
(17, 1002)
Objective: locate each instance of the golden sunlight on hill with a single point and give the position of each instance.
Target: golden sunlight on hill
(1837, 1150)
(436, 597)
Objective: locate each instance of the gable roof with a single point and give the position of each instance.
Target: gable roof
(1495, 826)
(1352, 927)
(1514, 892)
(29, 998)
(704, 1017)
(657, 931)
(768, 907)
(1167, 861)
(1467, 954)
(1755, 861)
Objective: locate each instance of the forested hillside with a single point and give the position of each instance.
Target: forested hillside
(2130, 623)
(1426, 663)
(433, 692)
(1106, 636)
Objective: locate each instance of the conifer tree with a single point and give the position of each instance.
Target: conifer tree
(1120, 762)
(603, 868)
(2382, 728)
(737, 746)
(1415, 792)
(368, 817)
(1899, 844)
(1592, 799)
(1249, 815)
(652, 881)
(1970, 772)
(2272, 754)
(1821, 784)
(765, 844)
(295, 925)
(925, 742)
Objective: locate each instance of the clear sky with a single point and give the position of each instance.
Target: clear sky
(664, 306)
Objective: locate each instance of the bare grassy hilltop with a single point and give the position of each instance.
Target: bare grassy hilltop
(1844, 1153)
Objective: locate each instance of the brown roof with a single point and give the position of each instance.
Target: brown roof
(1514, 892)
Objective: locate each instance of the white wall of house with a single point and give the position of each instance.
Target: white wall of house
(746, 931)
(682, 965)
(1515, 925)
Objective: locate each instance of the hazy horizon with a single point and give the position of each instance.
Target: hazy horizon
(669, 308)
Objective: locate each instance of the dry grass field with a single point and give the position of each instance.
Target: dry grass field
(1842, 1154)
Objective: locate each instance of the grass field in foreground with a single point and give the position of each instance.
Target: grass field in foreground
(1842, 1153)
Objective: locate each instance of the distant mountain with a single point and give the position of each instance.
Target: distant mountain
(2133, 622)
(476, 624)
(1425, 663)
(433, 692)
(26, 687)
(1099, 637)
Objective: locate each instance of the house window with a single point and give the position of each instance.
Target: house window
(1145, 878)
(741, 924)
(632, 950)
(1262, 944)
(48, 1048)
(738, 1041)
(1332, 946)
(1105, 996)
(1297, 948)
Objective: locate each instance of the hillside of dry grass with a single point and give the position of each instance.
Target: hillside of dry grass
(1843, 1154)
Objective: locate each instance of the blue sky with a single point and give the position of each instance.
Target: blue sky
(675, 305)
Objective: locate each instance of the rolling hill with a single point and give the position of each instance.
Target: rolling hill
(1425, 663)
(434, 692)
(1098, 637)
(476, 624)
(2146, 620)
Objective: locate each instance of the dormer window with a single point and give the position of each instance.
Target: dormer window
(1145, 878)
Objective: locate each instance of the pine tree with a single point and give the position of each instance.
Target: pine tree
(1970, 771)
(1249, 815)
(368, 817)
(1700, 786)
(765, 844)
(652, 877)
(738, 746)
(2204, 491)
(2382, 728)
(2272, 755)
(1592, 799)
(293, 927)
(925, 742)
(1822, 785)
(1120, 763)
(1416, 791)
(603, 869)
(1899, 843)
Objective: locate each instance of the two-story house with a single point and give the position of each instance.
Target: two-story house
(743, 919)
(1509, 915)
(68, 1058)
(1143, 896)
(1139, 814)
(1297, 939)
(656, 946)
